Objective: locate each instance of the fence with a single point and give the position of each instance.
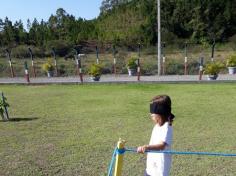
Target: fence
(175, 61)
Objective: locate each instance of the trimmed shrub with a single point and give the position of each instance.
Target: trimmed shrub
(174, 67)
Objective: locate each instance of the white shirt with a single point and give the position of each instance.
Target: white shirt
(158, 164)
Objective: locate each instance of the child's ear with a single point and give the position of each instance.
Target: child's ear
(157, 118)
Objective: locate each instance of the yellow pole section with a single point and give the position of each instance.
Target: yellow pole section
(119, 158)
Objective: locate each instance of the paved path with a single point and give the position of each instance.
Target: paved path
(120, 79)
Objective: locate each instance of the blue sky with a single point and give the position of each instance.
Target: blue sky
(42, 9)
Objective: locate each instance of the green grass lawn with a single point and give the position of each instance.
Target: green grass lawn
(72, 130)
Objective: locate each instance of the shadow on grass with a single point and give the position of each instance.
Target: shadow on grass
(19, 119)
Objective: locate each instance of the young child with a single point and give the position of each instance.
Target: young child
(158, 164)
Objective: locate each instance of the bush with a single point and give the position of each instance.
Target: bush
(48, 66)
(38, 52)
(121, 66)
(62, 47)
(62, 69)
(231, 61)
(131, 64)
(124, 70)
(107, 69)
(174, 67)
(148, 69)
(193, 67)
(20, 51)
(151, 50)
(2, 66)
(213, 68)
(95, 70)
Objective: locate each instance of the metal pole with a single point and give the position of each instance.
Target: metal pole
(55, 60)
(32, 60)
(10, 63)
(159, 36)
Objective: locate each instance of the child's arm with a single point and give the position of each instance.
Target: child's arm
(160, 146)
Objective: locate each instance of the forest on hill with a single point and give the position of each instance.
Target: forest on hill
(126, 23)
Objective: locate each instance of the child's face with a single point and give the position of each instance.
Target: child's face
(155, 118)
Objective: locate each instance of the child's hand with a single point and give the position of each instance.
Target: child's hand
(142, 149)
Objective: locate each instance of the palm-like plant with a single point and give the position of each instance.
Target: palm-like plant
(213, 68)
(3, 106)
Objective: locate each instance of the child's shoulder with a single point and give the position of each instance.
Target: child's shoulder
(166, 126)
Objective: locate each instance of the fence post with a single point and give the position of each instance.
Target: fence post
(26, 72)
(213, 50)
(119, 158)
(10, 63)
(114, 60)
(97, 55)
(201, 60)
(185, 59)
(32, 61)
(78, 64)
(163, 57)
(55, 60)
(139, 69)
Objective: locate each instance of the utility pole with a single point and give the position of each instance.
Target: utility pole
(159, 37)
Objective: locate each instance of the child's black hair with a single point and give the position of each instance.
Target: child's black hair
(163, 104)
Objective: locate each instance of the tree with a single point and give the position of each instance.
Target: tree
(20, 33)
(107, 5)
(8, 33)
(128, 22)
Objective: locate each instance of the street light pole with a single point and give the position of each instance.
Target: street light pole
(159, 36)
